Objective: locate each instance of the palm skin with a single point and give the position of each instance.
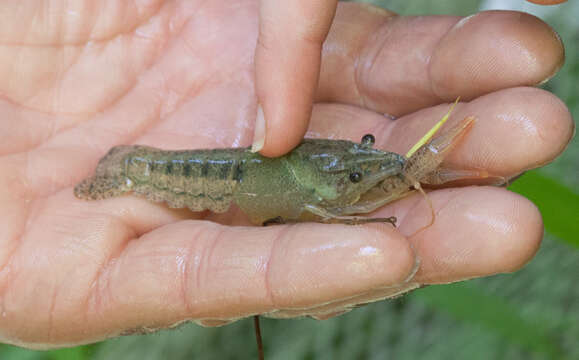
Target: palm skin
(180, 75)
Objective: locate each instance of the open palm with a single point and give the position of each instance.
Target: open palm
(77, 81)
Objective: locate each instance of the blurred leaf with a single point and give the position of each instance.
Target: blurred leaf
(9, 352)
(558, 204)
(75, 353)
(469, 304)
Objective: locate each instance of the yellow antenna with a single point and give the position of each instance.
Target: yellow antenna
(432, 131)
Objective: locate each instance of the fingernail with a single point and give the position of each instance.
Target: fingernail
(330, 315)
(561, 61)
(212, 322)
(259, 130)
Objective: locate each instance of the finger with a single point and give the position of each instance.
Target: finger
(547, 2)
(224, 273)
(287, 60)
(477, 231)
(206, 271)
(508, 230)
(186, 270)
(396, 65)
(516, 129)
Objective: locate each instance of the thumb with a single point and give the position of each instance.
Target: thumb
(287, 60)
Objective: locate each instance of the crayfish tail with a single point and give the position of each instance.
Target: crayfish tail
(109, 179)
(98, 188)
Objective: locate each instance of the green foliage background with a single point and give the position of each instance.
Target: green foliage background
(532, 314)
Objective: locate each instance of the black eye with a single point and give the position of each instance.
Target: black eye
(355, 177)
(368, 139)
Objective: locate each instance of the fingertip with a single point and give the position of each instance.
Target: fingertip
(478, 231)
(554, 123)
(281, 131)
(327, 263)
(530, 230)
(517, 48)
(522, 128)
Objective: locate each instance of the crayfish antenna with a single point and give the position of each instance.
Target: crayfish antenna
(428, 136)
(427, 198)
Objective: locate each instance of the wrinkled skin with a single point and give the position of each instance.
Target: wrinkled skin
(180, 75)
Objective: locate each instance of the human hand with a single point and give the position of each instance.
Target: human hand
(180, 75)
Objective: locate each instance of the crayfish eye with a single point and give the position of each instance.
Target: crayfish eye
(355, 177)
(368, 140)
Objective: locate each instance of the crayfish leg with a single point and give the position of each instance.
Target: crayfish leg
(359, 220)
(444, 175)
(326, 217)
(278, 220)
